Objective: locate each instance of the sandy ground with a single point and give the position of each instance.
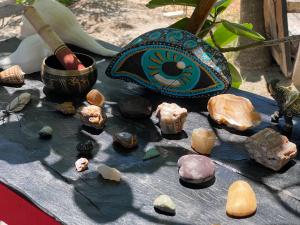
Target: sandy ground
(120, 21)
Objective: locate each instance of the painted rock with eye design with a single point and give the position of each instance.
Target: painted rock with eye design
(173, 62)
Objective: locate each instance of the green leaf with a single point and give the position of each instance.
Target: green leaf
(180, 24)
(220, 6)
(241, 30)
(223, 36)
(237, 79)
(25, 2)
(158, 3)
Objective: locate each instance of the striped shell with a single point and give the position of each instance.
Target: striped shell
(13, 75)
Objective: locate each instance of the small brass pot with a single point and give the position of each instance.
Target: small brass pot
(57, 80)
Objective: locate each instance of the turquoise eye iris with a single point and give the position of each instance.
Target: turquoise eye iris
(170, 70)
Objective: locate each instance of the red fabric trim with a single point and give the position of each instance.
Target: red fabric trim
(15, 210)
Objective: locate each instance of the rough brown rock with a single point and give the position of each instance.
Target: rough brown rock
(66, 108)
(171, 117)
(271, 149)
(93, 116)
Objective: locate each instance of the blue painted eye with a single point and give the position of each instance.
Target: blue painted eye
(167, 69)
(173, 62)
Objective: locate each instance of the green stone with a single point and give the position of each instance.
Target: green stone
(151, 153)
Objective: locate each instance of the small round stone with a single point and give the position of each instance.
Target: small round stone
(135, 107)
(81, 164)
(164, 204)
(85, 148)
(196, 169)
(126, 139)
(46, 132)
(94, 97)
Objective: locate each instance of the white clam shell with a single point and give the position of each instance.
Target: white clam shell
(18, 103)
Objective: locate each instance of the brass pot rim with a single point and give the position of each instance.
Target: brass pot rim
(69, 73)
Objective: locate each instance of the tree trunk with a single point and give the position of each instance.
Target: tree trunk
(251, 59)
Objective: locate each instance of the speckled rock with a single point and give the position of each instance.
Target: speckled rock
(81, 164)
(171, 118)
(271, 149)
(109, 173)
(196, 169)
(93, 116)
(135, 107)
(241, 200)
(126, 139)
(165, 204)
(85, 148)
(46, 132)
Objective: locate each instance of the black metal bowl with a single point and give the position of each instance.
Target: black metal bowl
(57, 80)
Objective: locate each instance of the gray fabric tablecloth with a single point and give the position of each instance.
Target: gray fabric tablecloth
(44, 172)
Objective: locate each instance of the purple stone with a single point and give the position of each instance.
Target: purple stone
(196, 169)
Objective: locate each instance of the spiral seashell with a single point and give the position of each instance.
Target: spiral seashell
(12, 75)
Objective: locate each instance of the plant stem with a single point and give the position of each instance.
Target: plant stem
(289, 39)
(203, 32)
(199, 15)
(214, 40)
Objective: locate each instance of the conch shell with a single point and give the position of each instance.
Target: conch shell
(234, 111)
(13, 75)
(64, 23)
(29, 55)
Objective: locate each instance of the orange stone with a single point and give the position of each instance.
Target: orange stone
(234, 111)
(94, 97)
(241, 200)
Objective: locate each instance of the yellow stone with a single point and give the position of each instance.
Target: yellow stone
(203, 140)
(241, 200)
